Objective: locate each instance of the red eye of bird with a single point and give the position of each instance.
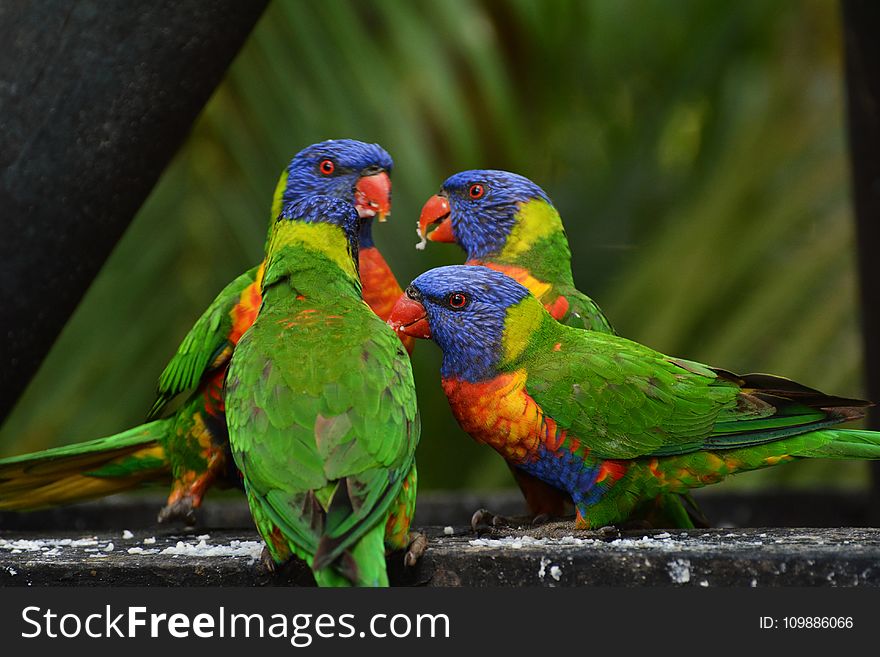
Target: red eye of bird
(476, 190)
(457, 300)
(327, 167)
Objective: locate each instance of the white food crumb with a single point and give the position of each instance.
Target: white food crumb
(203, 537)
(12, 571)
(517, 542)
(50, 546)
(423, 239)
(542, 571)
(110, 547)
(704, 583)
(236, 548)
(135, 550)
(680, 571)
(127, 534)
(555, 572)
(449, 531)
(150, 541)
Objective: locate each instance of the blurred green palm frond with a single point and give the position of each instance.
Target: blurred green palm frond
(695, 151)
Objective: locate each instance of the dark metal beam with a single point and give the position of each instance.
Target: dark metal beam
(861, 24)
(95, 99)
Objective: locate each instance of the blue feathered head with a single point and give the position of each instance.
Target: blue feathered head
(351, 170)
(477, 209)
(464, 310)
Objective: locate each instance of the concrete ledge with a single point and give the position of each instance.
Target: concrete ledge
(557, 556)
(553, 555)
(110, 542)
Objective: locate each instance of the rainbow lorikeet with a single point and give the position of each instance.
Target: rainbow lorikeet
(321, 404)
(506, 222)
(610, 421)
(190, 447)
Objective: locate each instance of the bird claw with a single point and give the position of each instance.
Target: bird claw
(485, 520)
(607, 533)
(181, 509)
(418, 543)
(267, 561)
(541, 519)
(481, 519)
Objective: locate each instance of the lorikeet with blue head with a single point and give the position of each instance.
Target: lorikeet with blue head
(189, 448)
(610, 421)
(506, 222)
(321, 404)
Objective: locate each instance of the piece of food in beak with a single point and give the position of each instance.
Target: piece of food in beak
(435, 211)
(373, 196)
(410, 318)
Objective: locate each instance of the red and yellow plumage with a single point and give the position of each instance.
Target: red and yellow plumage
(556, 304)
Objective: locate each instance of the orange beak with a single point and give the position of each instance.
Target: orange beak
(409, 318)
(372, 196)
(436, 210)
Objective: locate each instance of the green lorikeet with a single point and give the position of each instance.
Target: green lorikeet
(506, 222)
(610, 421)
(189, 448)
(320, 403)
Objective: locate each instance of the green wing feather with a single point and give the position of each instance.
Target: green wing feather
(584, 313)
(630, 401)
(203, 345)
(323, 419)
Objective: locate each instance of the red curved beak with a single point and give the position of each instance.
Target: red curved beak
(409, 318)
(436, 211)
(372, 196)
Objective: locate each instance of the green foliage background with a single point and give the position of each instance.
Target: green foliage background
(695, 149)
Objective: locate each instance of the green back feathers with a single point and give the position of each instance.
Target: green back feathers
(629, 401)
(320, 401)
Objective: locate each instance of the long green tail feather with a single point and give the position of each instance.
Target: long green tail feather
(846, 444)
(82, 471)
(369, 556)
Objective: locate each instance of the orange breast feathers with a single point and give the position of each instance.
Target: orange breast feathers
(556, 304)
(501, 414)
(245, 311)
(380, 288)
